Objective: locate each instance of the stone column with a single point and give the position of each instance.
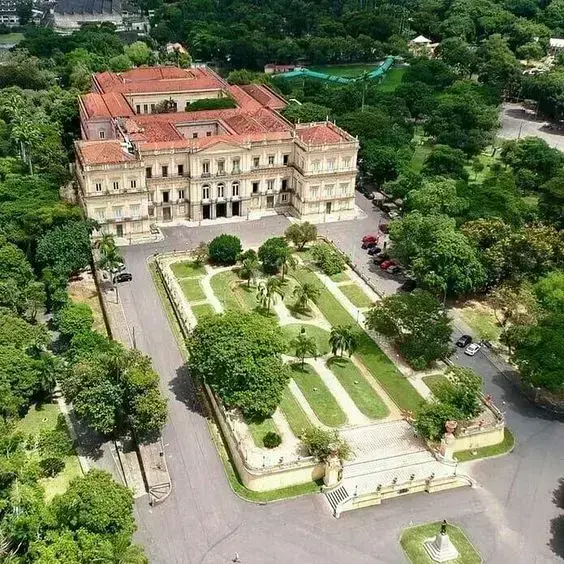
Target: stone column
(228, 209)
(213, 211)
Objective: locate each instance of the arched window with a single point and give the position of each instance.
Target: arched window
(206, 191)
(235, 188)
(221, 190)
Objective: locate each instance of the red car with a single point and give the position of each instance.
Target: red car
(370, 239)
(386, 264)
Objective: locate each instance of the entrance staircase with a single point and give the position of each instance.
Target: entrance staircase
(389, 461)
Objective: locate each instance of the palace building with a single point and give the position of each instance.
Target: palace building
(153, 150)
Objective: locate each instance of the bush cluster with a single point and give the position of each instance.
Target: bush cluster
(328, 259)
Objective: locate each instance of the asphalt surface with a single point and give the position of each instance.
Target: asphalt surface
(508, 515)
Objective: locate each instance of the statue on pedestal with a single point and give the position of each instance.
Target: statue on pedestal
(447, 442)
(440, 547)
(333, 470)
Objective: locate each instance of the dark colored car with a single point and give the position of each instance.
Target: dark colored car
(123, 277)
(394, 269)
(374, 250)
(409, 285)
(370, 245)
(464, 341)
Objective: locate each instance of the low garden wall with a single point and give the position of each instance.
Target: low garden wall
(486, 430)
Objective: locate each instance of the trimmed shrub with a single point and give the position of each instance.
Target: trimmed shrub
(51, 466)
(225, 249)
(55, 442)
(272, 440)
(211, 104)
(328, 259)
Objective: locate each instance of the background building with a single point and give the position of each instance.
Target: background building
(147, 156)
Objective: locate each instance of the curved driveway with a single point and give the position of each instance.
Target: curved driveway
(508, 515)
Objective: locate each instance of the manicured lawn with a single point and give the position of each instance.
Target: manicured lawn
(360, 391)
(233, 292)
(420, 153)
(200, 310)
(355, 294)
(187, 269)
(412, 542)
(295, 415)
(46, 416)
(349, 71)
(318, 395)
(192, 289)
(380, 366)
(259, 429)
(9, 38)
(434, 381)
(502, 448)
(320, 335)
(340, 277)
(392, 79)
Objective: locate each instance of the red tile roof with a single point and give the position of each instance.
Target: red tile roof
(265, 96)
(159, 79)
(321, 134)
(106, 105)
(102, 152)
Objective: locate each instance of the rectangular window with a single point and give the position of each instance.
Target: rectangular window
(98, 186)
(118, 212)
(315, 166)
(145, 109)
(180, 169)
(235, 166)
(164, 171)
(195, 135)
(314, 191)
(100, 213)
(166, 197)
(148, 172)
(220, 190)
(270, 159)
(330, 164)
(284, 184)
(221, 167)
(138, 108)
(135, 210)
(347, 162)
(284, 197)
(256, 162)
(153, 107)
(205, 192)
(329, 190)
(116, 185)
(285, 159)
(256, 186)
(102, 134)
(208, 133)
(235, 188)
(206, 168)
(181, 194)
(270, 184)
(344, 188)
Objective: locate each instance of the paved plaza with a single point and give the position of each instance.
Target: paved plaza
(508, 514)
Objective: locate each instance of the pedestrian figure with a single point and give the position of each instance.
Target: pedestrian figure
(236, 558)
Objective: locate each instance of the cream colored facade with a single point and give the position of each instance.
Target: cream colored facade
(209, 171)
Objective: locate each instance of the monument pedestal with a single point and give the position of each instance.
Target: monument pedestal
(440, 548)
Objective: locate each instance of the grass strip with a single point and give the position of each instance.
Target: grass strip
(318, 395)
(294, 414)
(187, 269)
(320, 335)
(259, 429)
(379, 365)
(356, 385)
(412, 542)
(232, 292)
(340, 277)
(356, 295)
(201, 310)
(504, 447)
(192, 289)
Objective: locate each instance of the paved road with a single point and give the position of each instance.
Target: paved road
(508, 514)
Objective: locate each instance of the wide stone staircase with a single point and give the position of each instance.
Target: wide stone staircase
(389, 461)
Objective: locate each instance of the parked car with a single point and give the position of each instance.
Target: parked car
(409, 285)
(123, 277)
(119, 268)
(379, 259)
(472, 349)
(374, 250)
(383, 227)
(386, 264)
(394, 269)
(370, 238)
(464, 341)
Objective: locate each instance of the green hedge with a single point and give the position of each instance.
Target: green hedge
(211, 104)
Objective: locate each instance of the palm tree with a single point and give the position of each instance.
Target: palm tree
(305, 293)
(106, 243)
(126, 553)
(110, 260)
(286, 263)
(269, 291)
(343, 338)
(304, 346)
(249, 270)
